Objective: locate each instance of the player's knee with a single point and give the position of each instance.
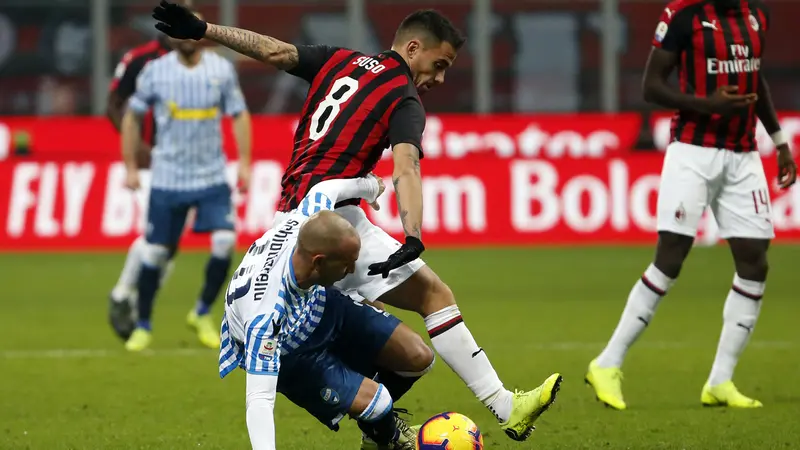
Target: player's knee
(671, 251)
(438, 295)
(754, 267)
(380, 406)
(420, 361)
(155, 255)
(223, 243)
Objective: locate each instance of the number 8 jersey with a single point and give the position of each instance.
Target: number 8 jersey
(356, 107)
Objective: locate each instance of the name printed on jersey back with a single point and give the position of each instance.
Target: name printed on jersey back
(273, 246)
(371, 64)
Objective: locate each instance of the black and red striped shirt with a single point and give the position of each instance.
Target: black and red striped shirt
(126, 72)
(357, 106)
(718, 46)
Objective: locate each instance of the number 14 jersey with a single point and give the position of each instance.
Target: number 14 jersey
(356, 107)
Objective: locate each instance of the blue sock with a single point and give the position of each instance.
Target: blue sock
(216, 275)
(201, 308)
(148, 286)
(144, 324)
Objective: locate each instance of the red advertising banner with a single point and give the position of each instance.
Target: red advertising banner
(71, 204)
(449, 136)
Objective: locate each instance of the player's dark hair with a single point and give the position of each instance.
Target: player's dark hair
(434, 23)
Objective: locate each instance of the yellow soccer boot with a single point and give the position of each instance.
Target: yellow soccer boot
(207, 331)
(607, 385)
(726, 394)
(528, 406)
(139, 340)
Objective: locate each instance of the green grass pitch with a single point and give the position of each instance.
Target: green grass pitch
(66, 382)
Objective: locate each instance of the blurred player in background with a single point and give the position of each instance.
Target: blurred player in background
(189, 91)
(357, 106)
(294, 333)
(713, 160)
(123, 296)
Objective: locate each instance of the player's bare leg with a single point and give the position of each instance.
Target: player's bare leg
(431, 298)
(605, 374)
(740, 314)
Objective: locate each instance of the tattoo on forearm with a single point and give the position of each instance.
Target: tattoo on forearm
(253, 44)
(410, 229)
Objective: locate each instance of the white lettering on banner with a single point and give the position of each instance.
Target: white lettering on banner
(541, 191)
(447, 199)
(640, 192)
(264, 193)
(77, 181)
(789, 125)
(444, 198)
(529, 143)
(22, 197)
(572, 195)
(46, 224)
(611, 201)
(119, 209)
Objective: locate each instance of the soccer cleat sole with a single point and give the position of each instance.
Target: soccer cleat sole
(528, 431)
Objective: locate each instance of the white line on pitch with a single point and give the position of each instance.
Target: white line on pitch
(191, 352)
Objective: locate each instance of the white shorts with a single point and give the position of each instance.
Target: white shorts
(376, 246)
(732, 184)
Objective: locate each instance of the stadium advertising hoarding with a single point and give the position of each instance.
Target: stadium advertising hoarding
(490, 180)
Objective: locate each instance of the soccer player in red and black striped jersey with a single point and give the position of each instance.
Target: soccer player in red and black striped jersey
(716, 47)
(123, 85)
(357, 106)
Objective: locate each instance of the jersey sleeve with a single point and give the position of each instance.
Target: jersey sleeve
(325, 194)
(144, 95)
(233, 102)
(261, 352)
(125, 74)
(674, 30)
(407, 123)
(310, 59)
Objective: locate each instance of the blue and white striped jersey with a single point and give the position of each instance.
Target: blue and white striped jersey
(188, 105)
(266, 313)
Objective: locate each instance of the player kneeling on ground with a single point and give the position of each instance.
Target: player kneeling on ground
(712, 160)
(293, 333)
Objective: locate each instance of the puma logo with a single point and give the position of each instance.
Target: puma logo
(712, 24)
(477, 352)
(749, 329)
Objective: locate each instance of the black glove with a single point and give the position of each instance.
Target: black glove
(178, 21)
(404, 255)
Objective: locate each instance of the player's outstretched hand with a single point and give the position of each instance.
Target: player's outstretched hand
(787, 168)
(178, 21)
(381, 187)
(408, 252)
(726, 99)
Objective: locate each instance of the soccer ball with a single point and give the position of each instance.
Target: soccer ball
(449, 431)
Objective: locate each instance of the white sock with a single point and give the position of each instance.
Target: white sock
(126, 285)
(641, 306)
(739, 318)
(455, 344)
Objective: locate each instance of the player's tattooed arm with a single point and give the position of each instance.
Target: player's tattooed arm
(262, 48)
(407, 180)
